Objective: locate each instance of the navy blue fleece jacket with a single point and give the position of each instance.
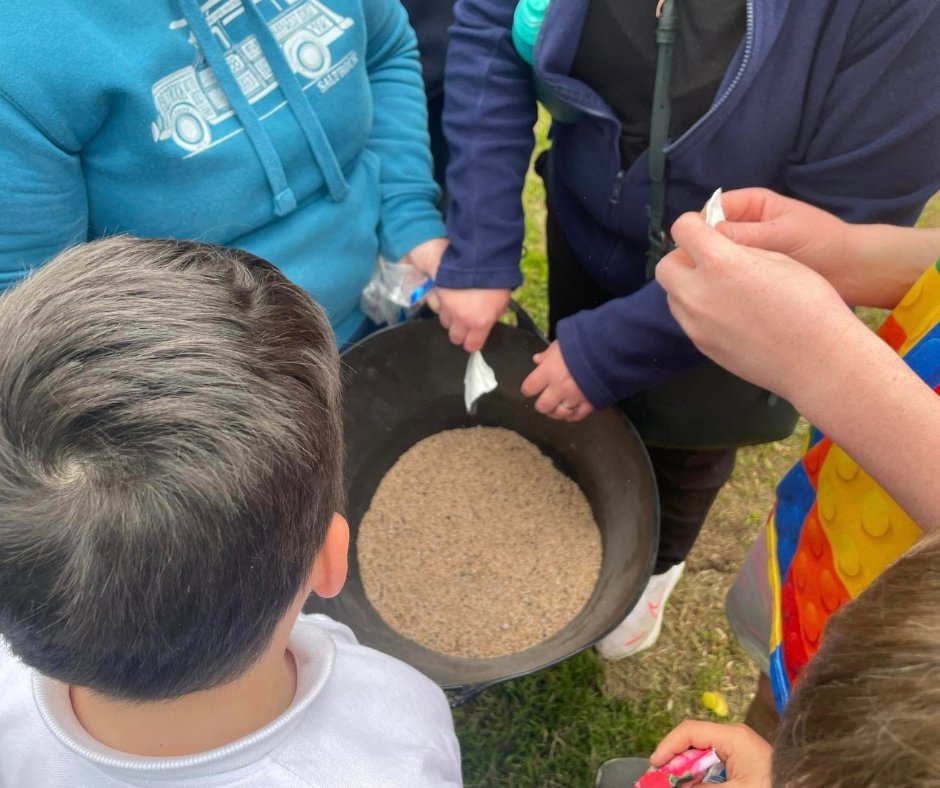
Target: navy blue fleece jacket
(835, 102)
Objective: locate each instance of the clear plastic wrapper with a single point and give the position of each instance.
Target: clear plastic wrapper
(393, 291)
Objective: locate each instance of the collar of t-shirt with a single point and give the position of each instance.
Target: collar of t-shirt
(314, 653)
(616, 57)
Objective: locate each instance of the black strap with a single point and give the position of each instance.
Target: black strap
(667, 30)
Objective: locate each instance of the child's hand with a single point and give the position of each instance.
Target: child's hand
(559, 396)
(468, 315)
(745, 754)
(426, 256)
(763, 219)
(759, 314)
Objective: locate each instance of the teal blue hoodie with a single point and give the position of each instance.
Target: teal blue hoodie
(295, 129)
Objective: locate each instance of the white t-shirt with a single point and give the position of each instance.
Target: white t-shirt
(359, 718)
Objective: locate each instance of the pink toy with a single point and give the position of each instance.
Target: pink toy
(684, 768)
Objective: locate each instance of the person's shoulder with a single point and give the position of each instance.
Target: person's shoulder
(15, 678)
(60, 62)
(357, 667)
(44, 33)
(379, 713)
(878, 20)
(22, 732)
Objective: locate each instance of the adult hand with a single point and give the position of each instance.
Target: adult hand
(745, 754)
(763, 219)
(426, 256)
(558, 395)
(468, 315)
(759, 314)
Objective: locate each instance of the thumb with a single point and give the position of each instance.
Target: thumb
(701, 242)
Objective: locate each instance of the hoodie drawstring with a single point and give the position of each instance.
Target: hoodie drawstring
(284, 199)
(312, 128)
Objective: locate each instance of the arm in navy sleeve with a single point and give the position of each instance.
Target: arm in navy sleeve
(489, 112)
(871, 155)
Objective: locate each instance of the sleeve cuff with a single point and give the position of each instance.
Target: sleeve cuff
(575, 353)
(395, 243)
(482, 278)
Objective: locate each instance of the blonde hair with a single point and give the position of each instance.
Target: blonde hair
(867, 710)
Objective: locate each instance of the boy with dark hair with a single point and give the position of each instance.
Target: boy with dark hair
(170, 475)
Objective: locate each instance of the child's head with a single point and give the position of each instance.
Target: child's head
(170, 462)
(867, 710)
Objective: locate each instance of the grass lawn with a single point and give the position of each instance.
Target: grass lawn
(556, 728)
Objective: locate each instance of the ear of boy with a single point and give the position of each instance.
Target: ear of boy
(328, 574)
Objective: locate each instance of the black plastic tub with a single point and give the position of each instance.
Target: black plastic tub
(406, 383)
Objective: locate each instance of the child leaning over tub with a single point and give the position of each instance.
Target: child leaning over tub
(170, 473)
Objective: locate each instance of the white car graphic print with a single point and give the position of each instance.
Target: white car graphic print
(190, 101)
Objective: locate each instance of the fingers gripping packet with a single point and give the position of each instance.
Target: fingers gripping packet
(479, 379)
(714, 213)
(391, 291)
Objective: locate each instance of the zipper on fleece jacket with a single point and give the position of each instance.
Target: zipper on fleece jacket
(717, 104)
(618, 187)
(573, 93)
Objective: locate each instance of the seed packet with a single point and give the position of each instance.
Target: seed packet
(479, 379)
(714, 213)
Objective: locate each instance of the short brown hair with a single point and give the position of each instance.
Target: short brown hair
(867, 710)
(170, 457)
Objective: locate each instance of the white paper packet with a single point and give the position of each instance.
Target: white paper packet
(479, 379)
(714, 213)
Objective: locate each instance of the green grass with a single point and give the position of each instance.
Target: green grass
(533, 295)
(553, 729)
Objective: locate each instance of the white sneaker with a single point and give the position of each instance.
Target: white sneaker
(640, 629)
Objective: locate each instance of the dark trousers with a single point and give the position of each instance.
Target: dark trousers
(688, 480)
(439, 150)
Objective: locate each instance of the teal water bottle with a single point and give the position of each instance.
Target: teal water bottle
(526, 23)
